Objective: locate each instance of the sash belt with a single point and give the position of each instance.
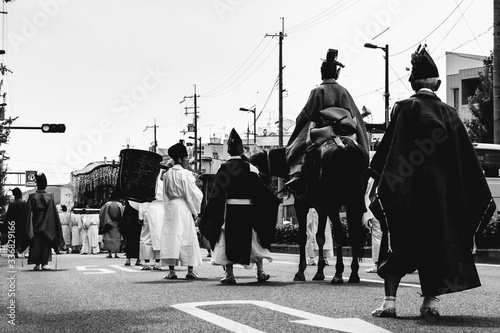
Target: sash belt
(239, 201)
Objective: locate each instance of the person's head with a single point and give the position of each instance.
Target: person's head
(234, 144)
(424, 72)
(17, 193)
(179, 155)
(330, 68)
(41, 181)
(64, 208)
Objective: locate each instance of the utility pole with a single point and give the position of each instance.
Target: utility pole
(155, 143)
(195, 107)
(496, 71)
(280, 36)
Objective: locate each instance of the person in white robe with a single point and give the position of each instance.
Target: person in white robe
(182, 198)
(150, 243)
(91, 233)
(312, 248)
(76, 232)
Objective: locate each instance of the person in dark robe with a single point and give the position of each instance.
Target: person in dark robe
(130, 228)
(14, 214)
(328, 94)
(240, 216)
(41, 226)
(109, 217)
(432, 195)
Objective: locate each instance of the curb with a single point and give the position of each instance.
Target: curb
(482, 256)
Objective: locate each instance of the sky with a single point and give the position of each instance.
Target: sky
(110, 69)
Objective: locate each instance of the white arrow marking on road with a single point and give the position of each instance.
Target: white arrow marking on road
(99, 270)
(351, 325)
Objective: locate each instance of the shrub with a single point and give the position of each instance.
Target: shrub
(287, 234)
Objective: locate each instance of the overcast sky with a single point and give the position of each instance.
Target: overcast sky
(108, 68)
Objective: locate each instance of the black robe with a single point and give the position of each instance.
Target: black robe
(234, 180)
(432, 196)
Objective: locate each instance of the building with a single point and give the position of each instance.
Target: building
(462, 79)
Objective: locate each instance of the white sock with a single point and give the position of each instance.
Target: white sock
(389, 302)
(430, 302)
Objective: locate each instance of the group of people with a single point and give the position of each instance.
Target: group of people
(429, 197)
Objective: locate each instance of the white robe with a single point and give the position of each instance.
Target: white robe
(150, 244)
(312, 248)
(182, 200)
(91, 233)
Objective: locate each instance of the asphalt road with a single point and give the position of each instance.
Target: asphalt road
(94, 294)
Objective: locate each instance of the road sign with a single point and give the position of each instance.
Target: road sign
(30, 178)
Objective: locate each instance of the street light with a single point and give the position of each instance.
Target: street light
(199, 151)
(254, 123)
(386, 94)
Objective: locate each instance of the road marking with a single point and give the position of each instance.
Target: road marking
(125, 269)
(91, 268)
(351, 325)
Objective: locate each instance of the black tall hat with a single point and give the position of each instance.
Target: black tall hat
(329, 66)
(234, 144)
(177, 151)
(41, 181)
(423, 67)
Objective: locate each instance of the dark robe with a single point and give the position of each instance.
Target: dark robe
(14, 213)
(432, 196)
(130, 228)
(326, 95)
(40, 227)
(109, 218)
(234, 180)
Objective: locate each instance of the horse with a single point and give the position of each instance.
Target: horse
(334, 171)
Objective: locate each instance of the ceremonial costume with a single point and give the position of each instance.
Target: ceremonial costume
(41, 226)
(328, 94)
(130, 227)
(432, 195)
(14, 213)
(240, 216)
(90, 233)
(76, 231)
(66, 229)
(150, 244)
(109, 218)
(179, 242)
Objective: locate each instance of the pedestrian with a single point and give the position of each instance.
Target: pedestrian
(240, 216)
(179, 242)
(372, 224)
(13, 216)
(130, 227)
(66, 229)
(328, 94)
(41, 226)
(432, 195)
(312, 248)
(150, 240)
(109, 216)
(76, 231)
(90, 233)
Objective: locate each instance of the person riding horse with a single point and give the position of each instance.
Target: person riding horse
(329, 94)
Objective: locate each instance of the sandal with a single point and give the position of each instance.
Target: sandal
(191, 275)
(262, 277)
(384, 312)
(171, 276)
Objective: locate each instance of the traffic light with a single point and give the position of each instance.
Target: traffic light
(53, 128)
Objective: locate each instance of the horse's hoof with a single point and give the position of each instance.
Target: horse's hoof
(319, 277)
(337, 280)
(354, 279)
(299, 276)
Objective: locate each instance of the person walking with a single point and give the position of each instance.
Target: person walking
(432, 195)
(66, 229)
(312, 248)
(41, 227)
(109, 217)
(14, 215)
(150, 240)
(76, 231)
(240, 216)
(90, 233)
(179, 242)
(372, 224)
(130, 227)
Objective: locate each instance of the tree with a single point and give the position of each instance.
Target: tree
(480, 127)
(4, 138)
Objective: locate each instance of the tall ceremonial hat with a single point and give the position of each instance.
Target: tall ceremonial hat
(17, 192)
(41, 181)
(423, 67)
(177, 151)
(329, 65)
(234, 144)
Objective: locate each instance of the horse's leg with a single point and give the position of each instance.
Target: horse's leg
(338, 236)
(354, 222)
(301, 209)
(320, 239)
